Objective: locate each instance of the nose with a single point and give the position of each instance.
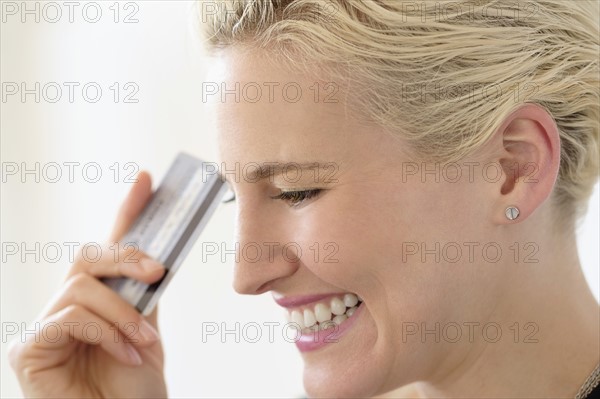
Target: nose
(264, 251)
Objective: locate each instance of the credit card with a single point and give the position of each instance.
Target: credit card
(169, 224)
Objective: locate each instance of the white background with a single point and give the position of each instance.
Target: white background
(161, 55)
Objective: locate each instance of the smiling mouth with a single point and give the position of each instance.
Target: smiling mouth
(326, 313)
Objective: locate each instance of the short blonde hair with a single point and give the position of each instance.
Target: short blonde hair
(487, 57)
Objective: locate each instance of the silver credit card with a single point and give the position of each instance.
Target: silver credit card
(170, 223)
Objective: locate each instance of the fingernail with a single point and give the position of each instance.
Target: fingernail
(133, 354)
(150, 265)
(148, 332)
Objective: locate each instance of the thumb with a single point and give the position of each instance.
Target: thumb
(133, 204)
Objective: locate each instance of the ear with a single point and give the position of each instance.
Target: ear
(528, 150)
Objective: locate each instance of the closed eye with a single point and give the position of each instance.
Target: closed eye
(294, 198)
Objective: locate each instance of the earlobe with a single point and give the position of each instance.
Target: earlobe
(530, 161)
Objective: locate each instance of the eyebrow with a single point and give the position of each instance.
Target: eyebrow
(267, 170)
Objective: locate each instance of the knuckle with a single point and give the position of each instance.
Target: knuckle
(72, 312)
(80, 256)
(138, 319)
(117, 268)
(81, 261)
(28, 372)
(77, 280)
(88, 253)
(18, 350)
(14, 353)
(75, 284)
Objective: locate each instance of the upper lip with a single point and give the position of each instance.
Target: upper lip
(299, 300)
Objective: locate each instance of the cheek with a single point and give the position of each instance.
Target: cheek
(367, 245)
(346, 239)
(376, 245)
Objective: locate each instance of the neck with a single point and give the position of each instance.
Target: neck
(551, 313)
(550, 324)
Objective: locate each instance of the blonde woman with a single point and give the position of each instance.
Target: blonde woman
(448, 150)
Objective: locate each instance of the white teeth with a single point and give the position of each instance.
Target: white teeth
(322, 312)
(313, 328)
(320, 318)
(326, 324)
(359, 298)
(337, 307)
(298, 319)
(309, 318)
(351, 311)
(350, 300)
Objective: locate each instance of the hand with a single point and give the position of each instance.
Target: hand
(97, 344)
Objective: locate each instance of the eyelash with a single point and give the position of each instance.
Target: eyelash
(289, 196)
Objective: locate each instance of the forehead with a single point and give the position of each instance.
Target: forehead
(262, 108)
(265, 111)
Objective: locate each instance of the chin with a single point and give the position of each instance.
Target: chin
(356, 366)
(355, 382)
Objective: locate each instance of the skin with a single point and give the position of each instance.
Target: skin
(79, 365)
(371, 212)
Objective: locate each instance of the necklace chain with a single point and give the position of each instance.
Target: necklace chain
(592, 382)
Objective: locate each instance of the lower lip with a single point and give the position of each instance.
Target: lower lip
(319, 339)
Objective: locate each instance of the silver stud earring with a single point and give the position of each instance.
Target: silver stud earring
(512, 212)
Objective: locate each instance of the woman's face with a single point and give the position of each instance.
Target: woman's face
(384, 227)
